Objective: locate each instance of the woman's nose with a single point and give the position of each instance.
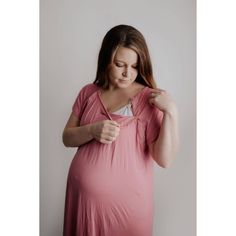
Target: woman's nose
(126, 72)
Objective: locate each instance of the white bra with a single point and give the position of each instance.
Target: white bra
(124, 111)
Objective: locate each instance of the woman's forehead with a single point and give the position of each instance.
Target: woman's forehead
(126, 55)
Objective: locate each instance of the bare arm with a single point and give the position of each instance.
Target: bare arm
(75, 135)
(164, 149)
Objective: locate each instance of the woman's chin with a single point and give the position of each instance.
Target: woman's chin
(123, 83)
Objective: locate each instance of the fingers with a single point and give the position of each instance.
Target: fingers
(112, 122)
(111, 127)
(108, 139)
(151, 101)
(157, 90)
(109, 132)
(153, 95)
(111, 135)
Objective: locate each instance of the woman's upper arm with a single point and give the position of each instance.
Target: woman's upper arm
(73, 121)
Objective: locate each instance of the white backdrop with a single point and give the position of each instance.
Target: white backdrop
(71, 33)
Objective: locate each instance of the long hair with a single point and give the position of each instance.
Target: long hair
(129, 37)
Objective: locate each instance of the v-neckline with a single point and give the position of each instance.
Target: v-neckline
(131, 101)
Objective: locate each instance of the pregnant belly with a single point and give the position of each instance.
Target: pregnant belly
(122, 195)
(100, 180)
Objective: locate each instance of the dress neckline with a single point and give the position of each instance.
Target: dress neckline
(132, 99)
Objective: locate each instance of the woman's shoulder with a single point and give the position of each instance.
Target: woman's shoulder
(86, 91)
(89, 87)
(146, 109)
(142, 90)
(141, 87)
(138, 85)
(138, 89)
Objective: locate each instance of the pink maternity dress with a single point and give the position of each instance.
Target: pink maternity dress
(110, 186)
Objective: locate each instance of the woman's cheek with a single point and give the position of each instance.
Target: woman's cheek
(116, 73)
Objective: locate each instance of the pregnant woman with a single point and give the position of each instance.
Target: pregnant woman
(121, 124)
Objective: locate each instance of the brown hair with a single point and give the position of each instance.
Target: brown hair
(129, 37)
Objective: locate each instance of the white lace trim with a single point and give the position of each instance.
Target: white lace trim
(124, 111)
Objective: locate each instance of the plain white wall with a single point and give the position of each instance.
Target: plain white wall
(70, 37)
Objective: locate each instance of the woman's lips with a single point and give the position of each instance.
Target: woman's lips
(124, 80)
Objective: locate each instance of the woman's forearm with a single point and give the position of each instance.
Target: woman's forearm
(165, 147)
(77, 136)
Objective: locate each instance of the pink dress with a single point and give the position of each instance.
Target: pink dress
(110, 186)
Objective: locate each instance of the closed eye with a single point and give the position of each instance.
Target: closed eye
(119, 65)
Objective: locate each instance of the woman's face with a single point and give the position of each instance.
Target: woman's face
(124, 68)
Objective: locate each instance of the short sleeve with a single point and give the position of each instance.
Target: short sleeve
(81, 100)
(154, 125)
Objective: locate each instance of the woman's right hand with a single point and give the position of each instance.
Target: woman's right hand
(105, 131)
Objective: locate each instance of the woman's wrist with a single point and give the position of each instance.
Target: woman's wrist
(89, 129)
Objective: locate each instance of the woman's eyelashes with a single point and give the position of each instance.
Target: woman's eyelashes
(121, 65)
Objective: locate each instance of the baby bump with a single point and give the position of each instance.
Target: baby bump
(90, 178)
(100, 174)
(99, 179)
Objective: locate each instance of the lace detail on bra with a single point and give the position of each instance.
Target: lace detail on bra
(124, 111)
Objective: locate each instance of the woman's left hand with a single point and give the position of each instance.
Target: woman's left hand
(162, 100)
